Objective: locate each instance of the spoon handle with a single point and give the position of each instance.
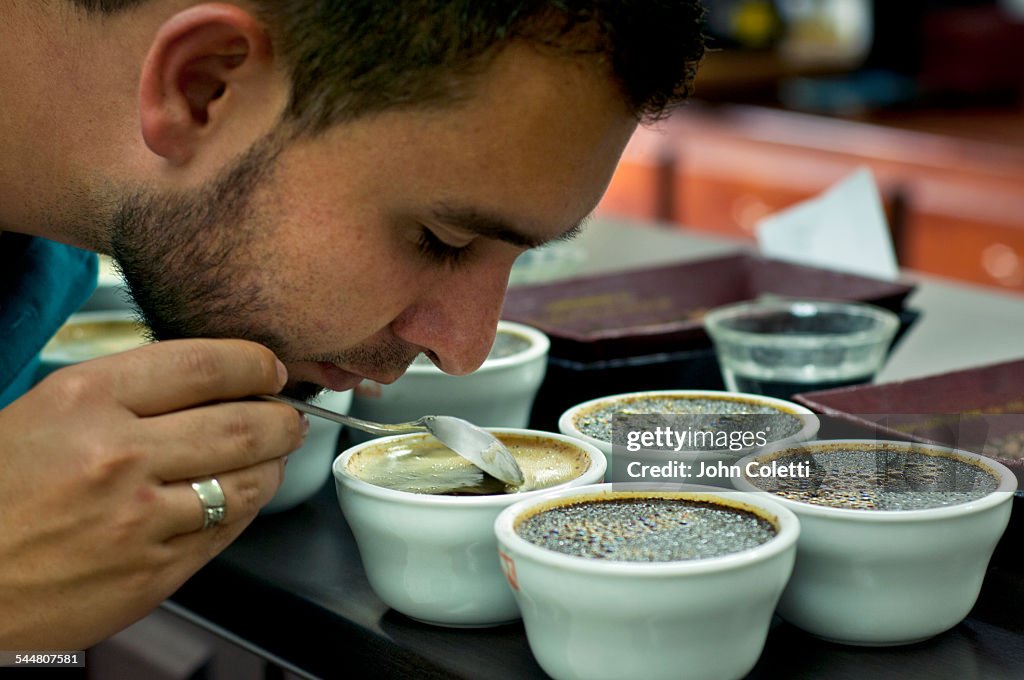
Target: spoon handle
(359, 424)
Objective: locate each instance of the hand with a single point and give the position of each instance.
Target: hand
(98, 520)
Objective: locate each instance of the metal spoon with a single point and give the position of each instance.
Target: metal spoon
(464, 438)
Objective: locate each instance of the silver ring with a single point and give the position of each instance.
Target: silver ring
(212, 498)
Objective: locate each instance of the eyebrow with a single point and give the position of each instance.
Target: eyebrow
(496, 227)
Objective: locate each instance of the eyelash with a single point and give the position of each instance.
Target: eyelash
(439, 251)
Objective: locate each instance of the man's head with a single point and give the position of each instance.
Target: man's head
(349, 58)
(388, 162)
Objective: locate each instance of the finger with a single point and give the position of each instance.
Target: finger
(167, 376)
(203, 441)
(245, 492)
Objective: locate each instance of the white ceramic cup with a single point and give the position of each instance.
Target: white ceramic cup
(90, 335)
(567, 424)
(309, 466)
(698, 619)
(431, 557)
(889, 577)
(498, 394)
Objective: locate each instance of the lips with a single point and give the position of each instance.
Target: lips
(333, 377)
(324, 374)
(338, 379)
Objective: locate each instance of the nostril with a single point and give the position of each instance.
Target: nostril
(433, 357)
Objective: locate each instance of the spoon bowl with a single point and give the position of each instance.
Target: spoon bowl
(480, 448)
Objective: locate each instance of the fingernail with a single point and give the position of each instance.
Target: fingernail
(303, 423)
(282, 373)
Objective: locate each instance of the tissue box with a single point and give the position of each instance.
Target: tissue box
(643, 329)
(978, 409)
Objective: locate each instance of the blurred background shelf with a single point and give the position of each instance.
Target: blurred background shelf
(932, 101)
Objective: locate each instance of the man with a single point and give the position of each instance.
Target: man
(305, 193)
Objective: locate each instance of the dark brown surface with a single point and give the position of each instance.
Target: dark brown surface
(995, 388)
(293, 589)
(661, 309)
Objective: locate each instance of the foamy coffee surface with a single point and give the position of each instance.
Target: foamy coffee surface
(424, 465)
(881, 477)
(646, 529)
(90, 339)
(707, 413)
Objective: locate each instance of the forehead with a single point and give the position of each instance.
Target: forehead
(536, 140)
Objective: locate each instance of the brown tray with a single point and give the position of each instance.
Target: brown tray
(647, 311)
(974, 409)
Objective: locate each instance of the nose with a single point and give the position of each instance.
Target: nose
(455, 319)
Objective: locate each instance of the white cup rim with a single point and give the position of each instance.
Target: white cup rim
(715, 320)
(59, 356)
(787, 523)
(1002, 493)
(102, 315)
(566, 422)
(538, 347)
(596, 469)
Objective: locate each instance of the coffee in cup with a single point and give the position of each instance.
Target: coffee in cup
(647, 583)
(428, 548)
(639, 528)
(94, 334)
(713, 429)
(877, 476)
(424, 465)
(702, 410)
(895, 537)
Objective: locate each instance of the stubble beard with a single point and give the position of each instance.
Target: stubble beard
(191, 267)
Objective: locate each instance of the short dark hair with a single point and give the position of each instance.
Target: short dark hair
(348, 58)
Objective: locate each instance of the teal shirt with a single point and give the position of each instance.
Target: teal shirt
(41, 284)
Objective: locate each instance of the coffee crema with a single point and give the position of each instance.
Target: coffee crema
(424, 465)
(646, 529)
(90, 339)
(880, 477)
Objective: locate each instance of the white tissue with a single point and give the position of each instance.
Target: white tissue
(843, 229)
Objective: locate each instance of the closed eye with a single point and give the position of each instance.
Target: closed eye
(437, 250)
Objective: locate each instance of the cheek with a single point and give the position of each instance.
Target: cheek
(337, 276)
(351, 288)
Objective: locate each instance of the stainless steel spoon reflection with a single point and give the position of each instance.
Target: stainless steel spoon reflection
(477, 446)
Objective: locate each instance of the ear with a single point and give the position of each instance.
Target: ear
(205, 64)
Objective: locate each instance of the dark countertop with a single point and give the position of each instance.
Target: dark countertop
(292, 589)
